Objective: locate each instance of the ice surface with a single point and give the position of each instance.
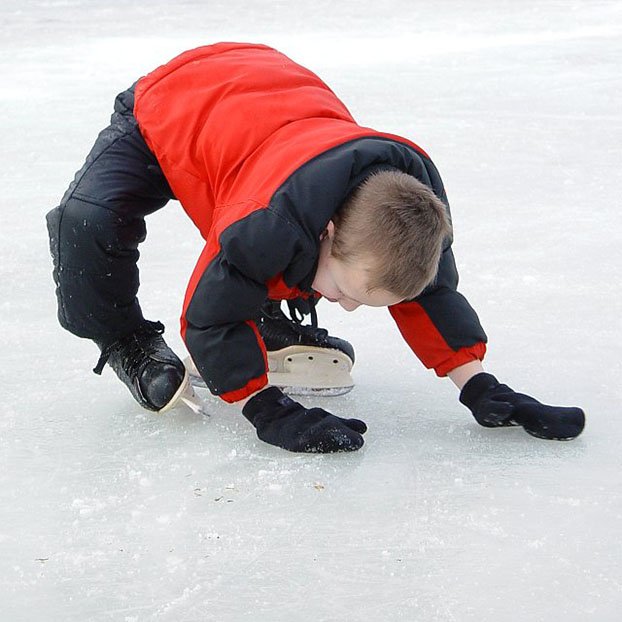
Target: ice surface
(111, 513)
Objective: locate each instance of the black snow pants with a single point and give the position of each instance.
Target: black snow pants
(96, 229)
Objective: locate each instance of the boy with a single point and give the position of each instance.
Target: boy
(294, 200)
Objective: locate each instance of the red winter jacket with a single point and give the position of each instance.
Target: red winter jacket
(261, 153)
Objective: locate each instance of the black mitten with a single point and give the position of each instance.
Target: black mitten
(494, 404)
(281, 421)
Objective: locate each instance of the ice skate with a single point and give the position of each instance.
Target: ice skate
(302, 359)
(152, 372)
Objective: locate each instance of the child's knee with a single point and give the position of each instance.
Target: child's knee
(83, 233)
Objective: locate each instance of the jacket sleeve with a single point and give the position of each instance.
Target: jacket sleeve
(225, 296)
(440, 326)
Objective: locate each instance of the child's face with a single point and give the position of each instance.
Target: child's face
(340, 282)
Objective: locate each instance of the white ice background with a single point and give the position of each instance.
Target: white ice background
(108, 512)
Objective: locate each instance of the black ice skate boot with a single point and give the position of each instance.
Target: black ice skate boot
(147, 366)
(304, 359)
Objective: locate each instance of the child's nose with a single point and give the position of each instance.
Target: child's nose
(349, 305)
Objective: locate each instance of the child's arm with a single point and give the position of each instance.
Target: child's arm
(224, 298)
(444, 332)
(461, 375)
(440, 325)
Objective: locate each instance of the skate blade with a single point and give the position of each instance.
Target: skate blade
(300, 370)
(186, 396)
(310, 392)
(308, 370)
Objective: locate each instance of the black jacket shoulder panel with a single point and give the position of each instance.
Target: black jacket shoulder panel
(266, 243)
(315, 191)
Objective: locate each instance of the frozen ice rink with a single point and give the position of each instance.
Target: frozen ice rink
(108, 512)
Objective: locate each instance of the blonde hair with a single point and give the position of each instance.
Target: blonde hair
(400, 224)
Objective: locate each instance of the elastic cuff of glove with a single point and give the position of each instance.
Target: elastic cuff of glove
(473, 389)
(257, 403)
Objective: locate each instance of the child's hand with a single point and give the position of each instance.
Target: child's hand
(285, 423)
(494, 404)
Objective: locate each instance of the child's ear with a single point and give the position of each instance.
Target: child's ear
(330, 229)
(329, 232)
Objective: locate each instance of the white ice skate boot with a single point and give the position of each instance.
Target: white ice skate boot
(302, 359)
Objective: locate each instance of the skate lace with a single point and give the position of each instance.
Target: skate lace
(296, 318)
(134, 348)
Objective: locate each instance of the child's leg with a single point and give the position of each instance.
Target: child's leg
(95, 232)
(94, 238)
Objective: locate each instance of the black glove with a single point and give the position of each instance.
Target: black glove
(282, 422)
(494, 404)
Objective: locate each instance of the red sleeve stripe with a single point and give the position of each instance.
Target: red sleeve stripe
(256, 383)
(239, 394)
(462, 356)
(427, 342)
